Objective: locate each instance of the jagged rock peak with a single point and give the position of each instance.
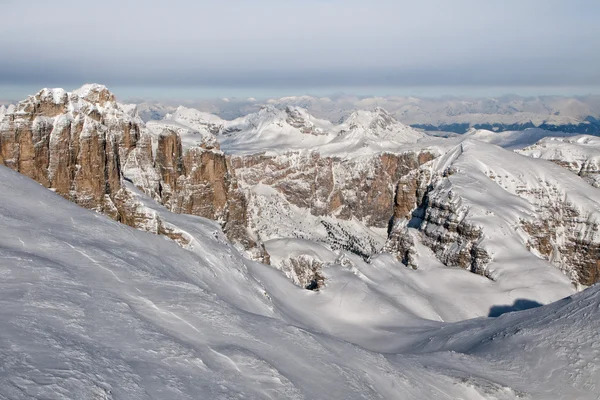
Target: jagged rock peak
(50, 102)
(95, 93)
(301, 119)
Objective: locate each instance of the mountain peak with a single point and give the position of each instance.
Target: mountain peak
(376, 126)
(95, 93)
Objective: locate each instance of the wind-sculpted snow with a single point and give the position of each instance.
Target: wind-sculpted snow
(93, 309)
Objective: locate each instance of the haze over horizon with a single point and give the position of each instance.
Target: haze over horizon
(206, 49)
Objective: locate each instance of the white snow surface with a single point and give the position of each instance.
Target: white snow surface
(271, 129)
(513, 139)
(581, 152)
(495, 189)
(275, 131)
(503, 110)
(93, 309)
(190, 137)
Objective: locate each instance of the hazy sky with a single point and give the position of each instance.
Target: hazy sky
(228, 46)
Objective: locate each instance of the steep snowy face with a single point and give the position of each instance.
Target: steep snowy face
(580, 154)
(299, 118)
(498, 213)
(272, 129)
(375, 128)
(512, 140)
(197, 120)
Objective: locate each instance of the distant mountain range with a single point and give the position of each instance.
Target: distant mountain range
(507, 113)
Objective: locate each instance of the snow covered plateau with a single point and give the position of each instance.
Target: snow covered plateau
(280, 255)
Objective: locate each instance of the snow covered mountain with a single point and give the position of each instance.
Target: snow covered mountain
(580, 114)
(272, 128)
(343, 186)
(505, 113)
(375, 128)
(95, 309)
(401, 238)
(494, 212)
(580, 154)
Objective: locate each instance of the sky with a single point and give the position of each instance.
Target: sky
(265, 48)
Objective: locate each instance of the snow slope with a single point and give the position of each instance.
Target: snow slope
(271, 128)
(513, 139)
(579, 153)
(276, 131)
(198, 120)
(96, 310)
(496, 190)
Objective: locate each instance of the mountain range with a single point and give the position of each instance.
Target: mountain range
(579, 114)
(190, 278)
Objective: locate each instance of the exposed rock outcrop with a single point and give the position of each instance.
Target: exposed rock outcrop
(426, 201)
(360, 188)
(59, 140)
(82, 144)
(470, 199)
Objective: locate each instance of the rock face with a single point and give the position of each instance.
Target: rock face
(61, 141)
(323, 198)
(471, 203)
(361, 189)
(426, 201)
(82, 144)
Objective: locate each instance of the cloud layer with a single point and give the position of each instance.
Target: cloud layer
(323, 43)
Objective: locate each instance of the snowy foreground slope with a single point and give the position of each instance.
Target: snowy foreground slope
(92, 309)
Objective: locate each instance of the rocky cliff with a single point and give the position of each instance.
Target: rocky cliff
(344, 202)
(82, 145)
(478, 204)
(62, 141)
